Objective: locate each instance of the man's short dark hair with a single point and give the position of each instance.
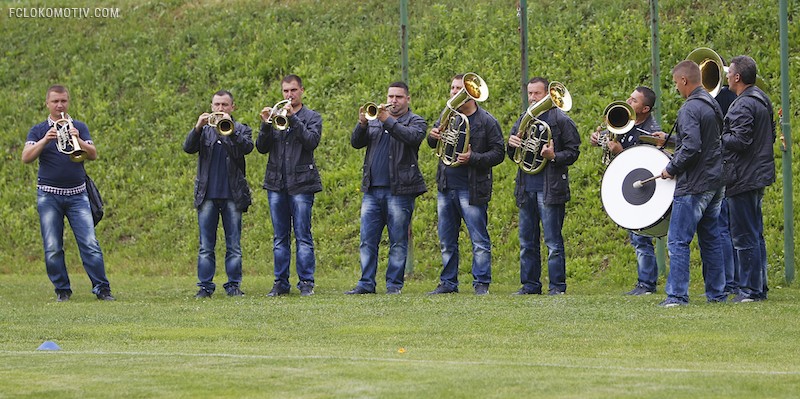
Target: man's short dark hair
(539, 79)
(746, 68)
(689, 69)
(459, 76)
(401, 85)
(56, 89)
(223, 93)
(295, 78)
(649, 96)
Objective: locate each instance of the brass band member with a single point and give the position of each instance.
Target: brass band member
(61, 191)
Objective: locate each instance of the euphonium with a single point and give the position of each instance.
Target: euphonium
(277, 116)
(454, 140)
(713, 70)
(67, 143)
(223, 124)
(535, 133)
(619, 118)
(371, 110)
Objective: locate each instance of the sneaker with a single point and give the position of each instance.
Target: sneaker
(526, 291)
(203, 293)
(278, 291)
(443, 289)
(393, 291)
(742, 298)
(306, 288)
(358, 290)
(671, 303)
(555, 291)
(63, 296)
(640, 289)
(481, 289)
(234, 290)
(105, 295)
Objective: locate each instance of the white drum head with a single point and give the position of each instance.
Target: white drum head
(637, 208)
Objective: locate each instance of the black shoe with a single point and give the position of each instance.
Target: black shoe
(359, 290)
(393, 291)
(278, 291)
(481, 289)
(443, 289)
(306, 288)
(555, 291)
(640, 289)
(526, 291)
(105, 295)
(743, 298)
(203, 293)
(234, 290)
(63, 296)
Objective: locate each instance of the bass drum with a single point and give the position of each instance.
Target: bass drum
(644, 210)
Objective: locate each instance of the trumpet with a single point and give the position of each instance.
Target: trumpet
(66, 142)
(277, 115)
(222, 123)
(619, 118)
(535, 133)
(454, 140)
(371, 110)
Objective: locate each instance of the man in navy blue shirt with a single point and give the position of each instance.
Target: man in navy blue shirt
(61, 191)
(391, 183)
(220, 190)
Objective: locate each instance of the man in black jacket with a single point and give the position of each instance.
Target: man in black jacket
(391, 182)
(220, 190)
(291, 180)
(747, 137)
(464, 193)
(541, 197)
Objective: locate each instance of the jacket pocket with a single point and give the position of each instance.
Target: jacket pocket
(305, 174)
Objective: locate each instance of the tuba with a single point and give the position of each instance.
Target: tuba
(223, 124)
(535, 132)
(67, 143)
(371, 110)
(454, 140)
(713, 70)
(277, 116)
(619, 118)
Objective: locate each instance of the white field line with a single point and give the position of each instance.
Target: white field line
(416, 361)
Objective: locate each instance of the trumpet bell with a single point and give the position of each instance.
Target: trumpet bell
(712, 69)
(476, 87)
(620, 117)
(224, 125)
(371, 110)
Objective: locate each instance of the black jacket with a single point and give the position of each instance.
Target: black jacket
(747, 139)
(405, 135)
(291, 164)
(566, 143)
(487, 143)
(697, 161)
(237, 145)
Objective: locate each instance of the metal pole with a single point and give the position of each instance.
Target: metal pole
(522, 13)
(786, 147)
(404, 39)
(654, 72)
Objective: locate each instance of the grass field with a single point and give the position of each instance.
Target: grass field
(158, 341)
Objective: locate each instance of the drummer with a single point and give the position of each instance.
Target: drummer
(642, 101)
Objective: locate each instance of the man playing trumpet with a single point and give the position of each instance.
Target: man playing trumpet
(391, 182)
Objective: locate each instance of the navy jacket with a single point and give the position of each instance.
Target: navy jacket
(487, 143)
(405, 135)
(291, 164)
(747, 138)
(237, 145)
(566, 143)
(697, 161)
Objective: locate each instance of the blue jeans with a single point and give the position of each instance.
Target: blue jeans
(646, 260)
(747, 232)
(52, 209)
(531, 212)
(288, 213)
(696, 213)
(379, 209)
(208, 214)
(452, 207)
(728, 255)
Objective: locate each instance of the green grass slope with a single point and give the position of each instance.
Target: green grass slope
(141, 79)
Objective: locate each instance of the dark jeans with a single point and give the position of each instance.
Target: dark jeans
(208, 215)
(292, 212)
(452, 207)
(647, 267)
(531, 213)
(747, 232)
